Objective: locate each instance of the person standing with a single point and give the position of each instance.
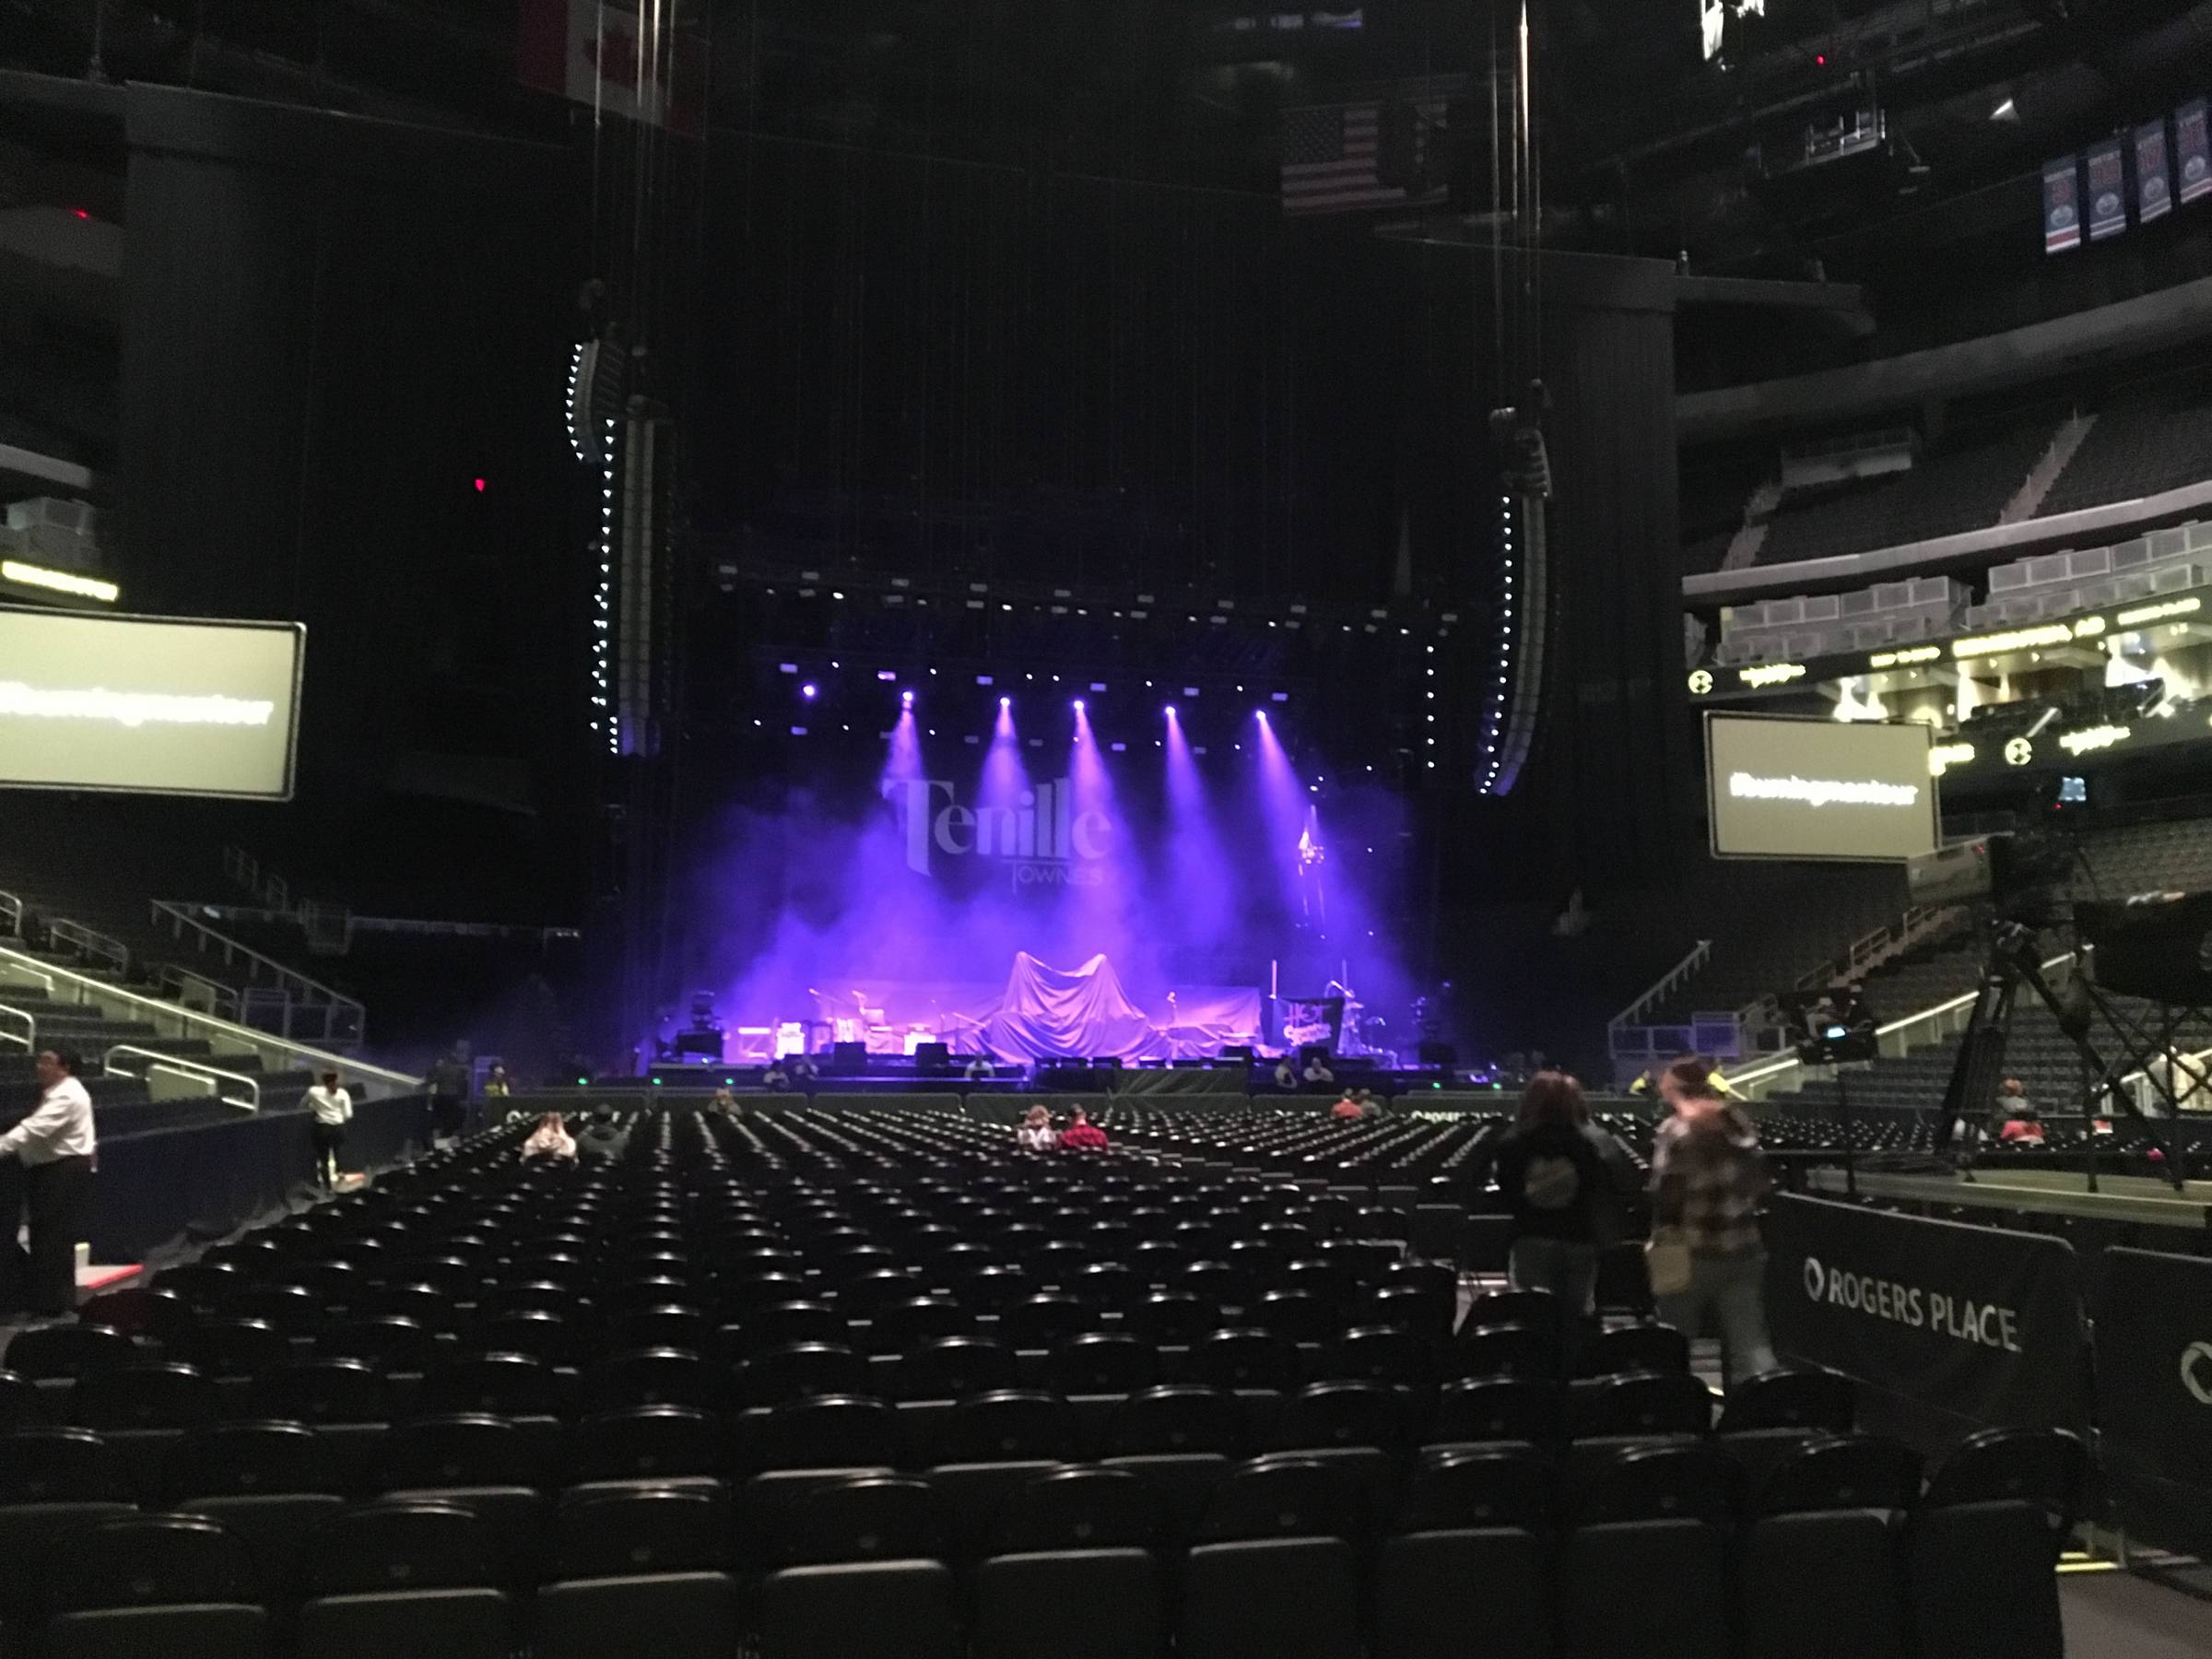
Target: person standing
(1708, 1178)
(330, 1108)
(54, 1145)
(1555, 1184)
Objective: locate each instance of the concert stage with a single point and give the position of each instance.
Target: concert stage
(2134, 1199)
(1003, 880)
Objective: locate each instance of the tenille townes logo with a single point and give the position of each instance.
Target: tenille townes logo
(1042, 838)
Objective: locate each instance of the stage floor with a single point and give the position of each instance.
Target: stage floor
(2134, 1198)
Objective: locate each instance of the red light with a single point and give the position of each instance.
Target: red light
(81, 212)
(1820, 58)
(479, 487)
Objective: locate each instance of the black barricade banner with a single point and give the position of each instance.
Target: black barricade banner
(2062, 206)
(2193, 150)
(2154, 181)
(1947, 1328)
(2154, 1393)
(2108, 190)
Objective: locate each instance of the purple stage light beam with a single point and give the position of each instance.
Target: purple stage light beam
(1198, 872)
(1005, 801)
(1283, 804)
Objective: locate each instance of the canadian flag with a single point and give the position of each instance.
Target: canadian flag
(603, 55)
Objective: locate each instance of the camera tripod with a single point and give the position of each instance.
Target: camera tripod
(2014, 962)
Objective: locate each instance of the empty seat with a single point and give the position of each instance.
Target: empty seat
(826, 1431)
(1983, 1543)
(402, 1577)
(60, 1351)
(1274, 1573)
(1821, 1562)
(1007, 1424)
(1637, 1347)
(1644, 1569)
(171, 1585)
(649, 1559)
(860, 1572)
(1102, 1362)
(1071, 1570)
(271, 1483)
(1467, 1567)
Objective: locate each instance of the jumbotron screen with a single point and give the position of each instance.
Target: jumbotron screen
(148, 704)
(1811, 788)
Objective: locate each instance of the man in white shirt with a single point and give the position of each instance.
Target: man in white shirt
(330, 1108)
(54, 1145)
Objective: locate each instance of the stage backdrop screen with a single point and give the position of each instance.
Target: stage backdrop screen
(148, 704)
(1786, 788)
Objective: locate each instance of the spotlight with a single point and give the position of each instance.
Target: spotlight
(1079, 705)
(906, 700)
(1169, 711)
(1005, 702)
(807, 690)
(1260, 715)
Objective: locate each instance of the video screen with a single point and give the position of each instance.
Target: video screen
(148, 704)
(1812, 788)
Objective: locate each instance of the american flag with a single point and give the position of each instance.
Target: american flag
(1329, 157)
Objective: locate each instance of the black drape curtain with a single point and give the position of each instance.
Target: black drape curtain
(152, 1189)
(335, 329)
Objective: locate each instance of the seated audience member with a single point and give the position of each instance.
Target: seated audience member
(603, 1138)
(550, 1139)
(1286, 1074)
(2023, 1128)
(1317, 1070)
(775, 1078)
(803, 1071)
(1348, 1107)
(1083, 1136)
(727, 1103)
(1036, 1133)
(496, 1086)
(979, 1069)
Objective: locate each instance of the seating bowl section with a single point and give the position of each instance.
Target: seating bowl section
(876, 1385)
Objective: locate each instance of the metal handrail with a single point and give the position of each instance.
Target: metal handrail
(199, 1071)
(11, 914)
(32, 971)
(171, 1019)
(90, 942)
(1695, 959)
(178, 980)
(313, 993)
(1755, 1082)
(30, 1040)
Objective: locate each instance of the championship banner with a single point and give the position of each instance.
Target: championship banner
(2154, 180)
(2154, 1390)
(2192, 150)
(589, 51)
(2108, 190)
(1947, 1328)
(2062, 206)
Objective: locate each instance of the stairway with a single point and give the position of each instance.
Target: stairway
(2027, 500)
(1744, 545)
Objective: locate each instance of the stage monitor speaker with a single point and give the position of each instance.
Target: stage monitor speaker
(1439, 1053)
(848, 1058)
(2156, 946)
(932, 1059)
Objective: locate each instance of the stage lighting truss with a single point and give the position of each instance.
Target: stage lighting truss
(1514, 674)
